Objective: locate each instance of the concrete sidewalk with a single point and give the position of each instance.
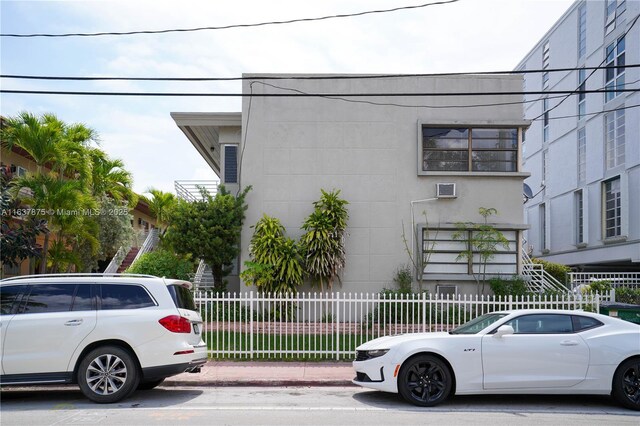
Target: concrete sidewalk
(267, 373)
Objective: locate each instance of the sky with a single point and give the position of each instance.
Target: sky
(466, 36)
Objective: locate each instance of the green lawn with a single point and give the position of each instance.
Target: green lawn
(286, 346)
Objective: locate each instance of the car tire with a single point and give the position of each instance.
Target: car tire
(425, 380)
(626, 384)
(108, 374)
(149, 384)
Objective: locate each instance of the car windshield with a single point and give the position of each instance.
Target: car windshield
(477, 324)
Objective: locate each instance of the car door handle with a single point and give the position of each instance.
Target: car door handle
(569, 343)
(73, 322)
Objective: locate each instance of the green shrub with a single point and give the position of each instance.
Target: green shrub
(601, 287)
(162, 263)
(628, 295)
(515, 286)
(558, 271)
(403, 279)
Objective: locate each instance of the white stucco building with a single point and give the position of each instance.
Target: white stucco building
(584, 155)
(387, 155)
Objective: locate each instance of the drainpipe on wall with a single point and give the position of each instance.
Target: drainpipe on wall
(413, 221)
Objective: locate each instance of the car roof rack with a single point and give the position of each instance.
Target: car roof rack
(78, 275)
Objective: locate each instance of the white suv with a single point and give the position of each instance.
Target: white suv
(110, 334)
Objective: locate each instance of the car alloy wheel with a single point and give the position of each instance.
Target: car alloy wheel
(425, 380)
(626, 384)
(108, 374)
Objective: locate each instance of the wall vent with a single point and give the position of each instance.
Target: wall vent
(446, 190)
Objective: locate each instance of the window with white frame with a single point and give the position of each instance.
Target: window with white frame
(545, 120)
(545, 65)
(582, 155)
(582, 97)
(579, 215)
(582, 30)
(545, 166)
(614, 69)
(614, 11)
(612, 208)
(469, 149)
(614, 127)
(542, 217)
(441, 254)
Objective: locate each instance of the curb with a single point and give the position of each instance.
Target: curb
(258, 383)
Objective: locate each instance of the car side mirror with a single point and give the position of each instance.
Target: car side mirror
(504, 330)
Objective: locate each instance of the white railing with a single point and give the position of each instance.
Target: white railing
(539, 280)
(149, 244)
(616, 279)
(312, 325)
(115, 263)
(203, 278)
(190, 190)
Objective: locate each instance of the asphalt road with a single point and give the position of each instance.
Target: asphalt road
(299, 406)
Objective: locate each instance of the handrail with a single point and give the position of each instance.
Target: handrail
(189, 190)
(148, 245)
(540, 280)
(117, 259)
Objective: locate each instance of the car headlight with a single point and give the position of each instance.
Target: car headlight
(363, 355)
(377, 352)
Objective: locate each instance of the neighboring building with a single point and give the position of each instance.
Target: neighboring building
(584, 155)
(18, 163)
(387, 161)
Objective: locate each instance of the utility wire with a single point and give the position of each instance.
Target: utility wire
(295, 77)
(590, 113)
(590, 74)
(227, 27)
(391, 104)
(308, 95)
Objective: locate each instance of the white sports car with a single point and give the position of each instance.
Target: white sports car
(519, 352)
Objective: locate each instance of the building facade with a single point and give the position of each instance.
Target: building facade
(410, 166)
(583, 152)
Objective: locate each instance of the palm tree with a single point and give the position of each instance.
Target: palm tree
(108, 177)
(39, 137)
(161, 205)
(54, 200)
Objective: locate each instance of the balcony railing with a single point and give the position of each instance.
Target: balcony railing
(191, 190)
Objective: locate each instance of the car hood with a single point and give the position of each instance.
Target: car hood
(387, 342)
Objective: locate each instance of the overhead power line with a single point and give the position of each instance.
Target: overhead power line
(227, 27)
(604, 111)
(296, 77)
(307, 95)
(604, 61)
(395, 104)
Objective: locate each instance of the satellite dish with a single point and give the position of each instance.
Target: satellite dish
(527, 192)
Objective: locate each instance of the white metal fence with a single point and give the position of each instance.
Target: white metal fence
(323, 326)
(616, 279)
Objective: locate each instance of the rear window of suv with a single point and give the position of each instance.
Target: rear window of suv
(122, 296)
(182, 297)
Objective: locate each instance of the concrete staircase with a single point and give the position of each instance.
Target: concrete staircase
(128, 259)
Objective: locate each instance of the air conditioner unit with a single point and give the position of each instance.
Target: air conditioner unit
(446, 190)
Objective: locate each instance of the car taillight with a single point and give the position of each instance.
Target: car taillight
(176, 324)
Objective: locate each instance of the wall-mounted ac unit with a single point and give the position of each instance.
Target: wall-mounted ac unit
(446, 190)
